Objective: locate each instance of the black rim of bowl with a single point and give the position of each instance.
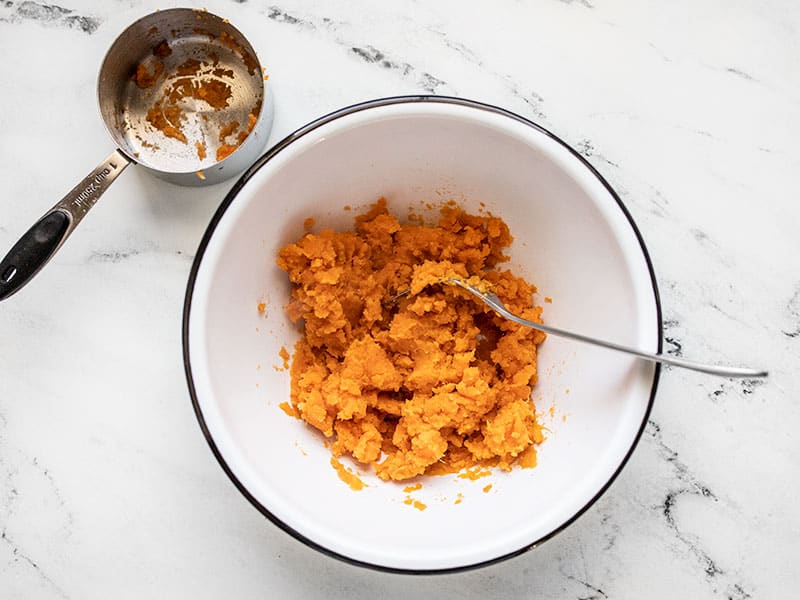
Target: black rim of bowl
(229, 198)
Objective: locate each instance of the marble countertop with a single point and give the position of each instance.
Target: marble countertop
(691, 110)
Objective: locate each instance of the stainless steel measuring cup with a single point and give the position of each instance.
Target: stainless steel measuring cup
(182, 94)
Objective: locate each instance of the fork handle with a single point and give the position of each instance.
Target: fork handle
(494, 302)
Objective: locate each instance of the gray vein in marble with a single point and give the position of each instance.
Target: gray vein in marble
(595, 593)
(532, 99)
(368, 53)
(372, 55)
(658, 200)
(10, 474)
(712, 248)
(47, 14)
(18, 554)
(656, 203)
(737, 593)
(586, 149)
(700, 236)
(750, 385)
(740, 73)
(690, 485)
(465, 51)
(57, 494)
(737, 73)
(728, 142)
(675, 346)
(715, 395)
(584, 3)
(659, 52)
(611, 531)
(682, 473)
(741, 387)
(793, 308)
(426, 81)
(701, 132)
(276, 14)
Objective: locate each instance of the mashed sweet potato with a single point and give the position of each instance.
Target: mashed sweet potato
(427, 382)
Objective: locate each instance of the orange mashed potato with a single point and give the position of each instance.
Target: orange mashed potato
(420, 383)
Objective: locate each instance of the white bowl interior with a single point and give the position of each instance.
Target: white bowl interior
(572, 240)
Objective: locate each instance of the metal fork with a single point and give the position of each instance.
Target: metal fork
(493, 302)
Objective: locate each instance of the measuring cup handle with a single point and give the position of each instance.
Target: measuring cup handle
(40, 242)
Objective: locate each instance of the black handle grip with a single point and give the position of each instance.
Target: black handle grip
(32, 251)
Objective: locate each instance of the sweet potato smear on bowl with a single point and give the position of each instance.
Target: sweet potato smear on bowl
(426, 382)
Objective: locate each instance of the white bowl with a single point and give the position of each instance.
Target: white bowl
(574, 240)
